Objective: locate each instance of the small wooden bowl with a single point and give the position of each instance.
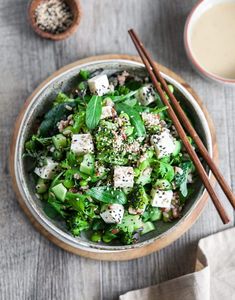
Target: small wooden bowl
(76, 11)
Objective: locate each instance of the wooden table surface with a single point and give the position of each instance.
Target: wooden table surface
(32, 267)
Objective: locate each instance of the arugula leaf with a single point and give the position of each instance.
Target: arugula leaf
(56, 180)
(107, 195)
(76, 203)
(59, 112)
(79, 121)
(123, 97)
(93, 112)
(133, 84)
(160, 109)
(165, 170)
(53, 208)
(84, 74)
(36, 141)
(181, 179)
(135, 118)
(50, 211)
(130, 102)
(61, 98)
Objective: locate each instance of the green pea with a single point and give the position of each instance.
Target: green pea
(68, 183)
(57, 155)
(83, 183)
(96, 237)
(136, 172)
(41, 186)
(108, 237)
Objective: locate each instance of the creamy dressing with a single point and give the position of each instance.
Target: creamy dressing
(213, 40)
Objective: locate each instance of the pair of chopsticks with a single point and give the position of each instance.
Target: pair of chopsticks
(181, 118)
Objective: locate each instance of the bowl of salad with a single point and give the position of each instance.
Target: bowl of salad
(98, 164)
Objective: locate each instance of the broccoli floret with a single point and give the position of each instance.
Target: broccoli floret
(77, 224)
(139, 199)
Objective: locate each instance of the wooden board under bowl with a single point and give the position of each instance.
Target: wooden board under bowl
(132, 253)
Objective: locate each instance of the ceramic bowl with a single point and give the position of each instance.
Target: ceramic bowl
(37, 105)
(198, 10)
(76, 10)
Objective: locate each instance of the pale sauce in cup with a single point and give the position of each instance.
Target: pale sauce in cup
(212, 40)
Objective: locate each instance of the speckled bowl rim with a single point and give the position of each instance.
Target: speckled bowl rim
(30, 203)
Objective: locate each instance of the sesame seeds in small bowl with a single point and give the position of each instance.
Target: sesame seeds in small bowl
(54, 19)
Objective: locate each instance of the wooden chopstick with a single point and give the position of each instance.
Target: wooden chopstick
(149, 64)
(189, 128)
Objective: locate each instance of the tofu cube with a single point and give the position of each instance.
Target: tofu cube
(48, 170)
(161, 198)
(150, 119)
(146, 95)
(163, 143)
(82, 144)
(99, 85)
(123, 177)
(108, 112)
(112, 213)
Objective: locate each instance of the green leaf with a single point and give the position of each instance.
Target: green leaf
(56, 180)
(48, 126)
(42, 141)
(107, 195)
(50, 211)
(123, 97)
(165, 170)
(181, 179)
(93, 112)
(79, 121)
(160, 109)
(135, 118)
(131, 102)
(77, 204)
(61, 98)
(133, 84)
(84, 74)
(54, 208)
(74, 196)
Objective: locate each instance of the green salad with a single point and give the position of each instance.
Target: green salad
(108, 161)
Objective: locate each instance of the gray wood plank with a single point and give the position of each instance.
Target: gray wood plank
(30, 266)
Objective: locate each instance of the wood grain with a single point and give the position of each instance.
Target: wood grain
(30, 266)
(162, 241)
(77, 14)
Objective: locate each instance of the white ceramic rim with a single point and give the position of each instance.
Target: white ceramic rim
(53, 229)
(189, 52)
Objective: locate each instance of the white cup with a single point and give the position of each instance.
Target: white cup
(198, 10)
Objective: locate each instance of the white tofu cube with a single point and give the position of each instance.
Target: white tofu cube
(161, 198)
(99, 85)
(123, 177)
(163, 143)
(146, 94)
(150, 119)
(82, 144)
(48, 170)
(112, 213)
(108, 112)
